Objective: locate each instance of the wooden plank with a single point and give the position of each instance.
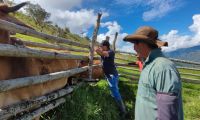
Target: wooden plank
(27, 31)
(96, 58)
(187, 68)
(129, 77)
(186, 80)
(129, 53)
(51, 46)
(94, 38)
(17, 51)
(190, 80)
(107, 38)
(190, 74)
(42, 109)
(12, 110)
(114, 42)
(185, 61)
(6, 85)
(130, 74)
(126, 65)
(90, 80)
(128, 68)
(117, 58)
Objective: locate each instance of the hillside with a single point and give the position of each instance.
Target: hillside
(191, 53)
(52, 29)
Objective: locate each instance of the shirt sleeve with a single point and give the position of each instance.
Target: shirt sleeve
(168, 87)
(111, 54)
(167, 81)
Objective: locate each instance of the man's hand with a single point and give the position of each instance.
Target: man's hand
(98, 49)
(100, 52)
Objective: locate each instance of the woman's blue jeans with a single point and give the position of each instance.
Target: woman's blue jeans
(113, 85)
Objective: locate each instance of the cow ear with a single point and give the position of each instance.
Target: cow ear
(14, 8)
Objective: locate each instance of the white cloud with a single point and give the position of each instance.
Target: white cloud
(54, 4)
(127, 48)
(177, 41)
(158, 9)
(114, 27)
(77, 21)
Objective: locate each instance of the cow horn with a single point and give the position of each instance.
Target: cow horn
(16, 7)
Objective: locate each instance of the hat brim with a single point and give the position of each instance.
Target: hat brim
(133, 38)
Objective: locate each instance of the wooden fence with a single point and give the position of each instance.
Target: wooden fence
(184, 79)
(51, 100)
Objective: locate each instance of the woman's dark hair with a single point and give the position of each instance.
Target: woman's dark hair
(105, 43)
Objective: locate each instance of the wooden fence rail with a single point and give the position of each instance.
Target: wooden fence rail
(173, 59)
(185, 61)
(125, 65)
(130, 74)
(135, 77)
(190, 74)
(12, 110)
(43, 109)
(16, 51)
(27, 31)
(117, 58)
(129, 53)
(127, 68)
(51, 46)
(187, 68)
(6, 85)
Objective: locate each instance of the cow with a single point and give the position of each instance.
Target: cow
(17, 67)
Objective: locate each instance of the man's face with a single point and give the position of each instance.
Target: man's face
(140, 49)
(104, 48)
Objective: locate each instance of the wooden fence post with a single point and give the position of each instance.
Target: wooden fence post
(94, 37)
(107, 38)
(114, 42)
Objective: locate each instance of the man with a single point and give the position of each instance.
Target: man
(159, 94)
(111, 74)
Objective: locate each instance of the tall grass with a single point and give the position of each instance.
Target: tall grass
(93, 102)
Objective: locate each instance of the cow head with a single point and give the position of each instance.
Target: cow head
(4, 15)
(97, 71)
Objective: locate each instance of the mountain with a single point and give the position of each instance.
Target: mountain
(191, 54)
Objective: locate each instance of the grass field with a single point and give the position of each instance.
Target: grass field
(93, 102)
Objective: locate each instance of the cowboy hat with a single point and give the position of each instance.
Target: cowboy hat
(146, 34)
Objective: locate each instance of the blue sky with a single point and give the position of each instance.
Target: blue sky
(178, 21)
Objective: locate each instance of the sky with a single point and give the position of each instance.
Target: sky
(178, 21)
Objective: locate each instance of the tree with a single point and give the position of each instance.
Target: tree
(38, 14)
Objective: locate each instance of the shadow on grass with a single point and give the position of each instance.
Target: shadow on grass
(93, 102)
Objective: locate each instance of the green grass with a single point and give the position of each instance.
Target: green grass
(29, 38)
(93, 102)
(48, 29)
(191, 98)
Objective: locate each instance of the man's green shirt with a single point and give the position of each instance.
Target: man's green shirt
(158, 75)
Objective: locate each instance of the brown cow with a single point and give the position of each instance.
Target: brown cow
(13, 67)
(97, 71)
